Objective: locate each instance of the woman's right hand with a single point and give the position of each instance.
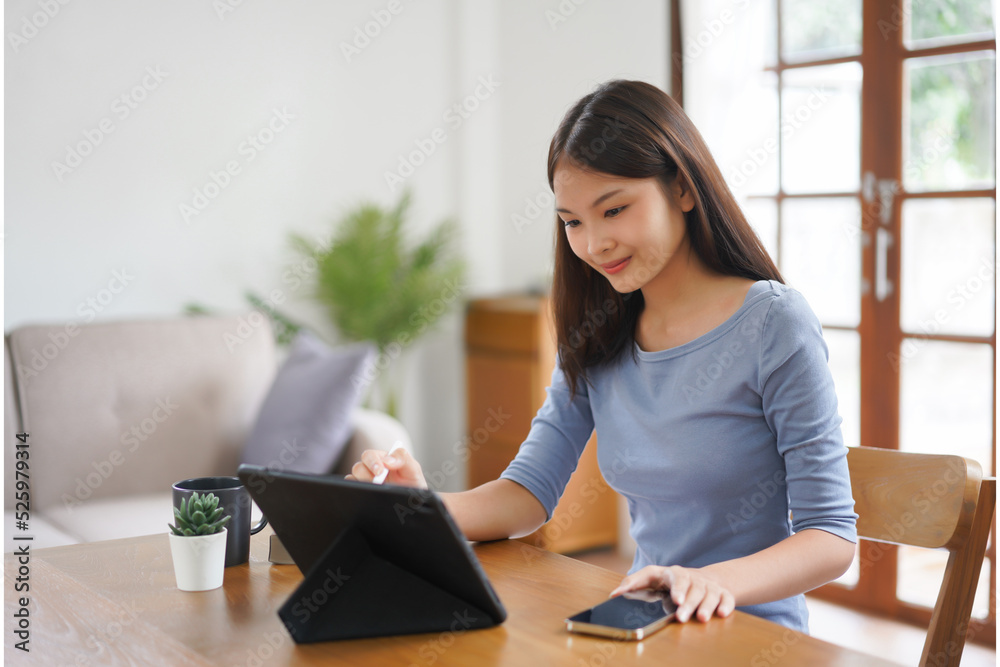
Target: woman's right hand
(403, 468)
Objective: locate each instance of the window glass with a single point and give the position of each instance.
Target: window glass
(821, 129)
(949, 122)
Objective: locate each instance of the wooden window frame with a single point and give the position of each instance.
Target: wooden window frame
(882, 58)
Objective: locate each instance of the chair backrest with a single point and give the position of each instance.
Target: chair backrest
(933, 501)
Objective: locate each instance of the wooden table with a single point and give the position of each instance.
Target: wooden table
(116, 603)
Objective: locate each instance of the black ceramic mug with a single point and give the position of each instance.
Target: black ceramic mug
(235, 501)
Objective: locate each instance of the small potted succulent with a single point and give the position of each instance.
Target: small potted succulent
(198, 542)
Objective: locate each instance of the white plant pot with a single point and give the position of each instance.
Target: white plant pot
(199, 561)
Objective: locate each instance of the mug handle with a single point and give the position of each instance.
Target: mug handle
(260, 525)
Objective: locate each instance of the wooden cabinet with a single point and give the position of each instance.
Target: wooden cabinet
(510, 354)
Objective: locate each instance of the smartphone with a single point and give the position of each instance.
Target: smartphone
(632, 615)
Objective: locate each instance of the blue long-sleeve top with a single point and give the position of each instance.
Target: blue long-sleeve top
(722, 446)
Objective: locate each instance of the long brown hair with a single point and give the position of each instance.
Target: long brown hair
(633, 129)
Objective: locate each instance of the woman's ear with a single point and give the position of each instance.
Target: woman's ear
(681, 191)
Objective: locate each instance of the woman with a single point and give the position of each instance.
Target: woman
(705, 377)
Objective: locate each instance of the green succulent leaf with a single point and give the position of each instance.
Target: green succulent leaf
(218, 525)
(199, 515)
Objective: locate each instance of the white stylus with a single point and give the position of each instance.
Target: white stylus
(380, 478)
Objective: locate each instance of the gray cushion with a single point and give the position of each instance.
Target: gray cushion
(305, 421)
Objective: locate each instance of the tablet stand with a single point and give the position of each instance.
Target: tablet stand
(352, 592)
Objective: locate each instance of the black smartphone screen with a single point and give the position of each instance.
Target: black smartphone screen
(628, 613)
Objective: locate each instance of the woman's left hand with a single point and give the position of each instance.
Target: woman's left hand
(691, 589)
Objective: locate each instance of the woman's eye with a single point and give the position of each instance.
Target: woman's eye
(571, 223)
(613, 212)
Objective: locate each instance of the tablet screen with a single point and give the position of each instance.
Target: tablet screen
(405, 527)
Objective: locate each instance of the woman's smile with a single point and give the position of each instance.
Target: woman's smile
(616, 266)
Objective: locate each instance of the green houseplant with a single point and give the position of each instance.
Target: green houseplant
(199, 515)
(378, 285)
(198, 542)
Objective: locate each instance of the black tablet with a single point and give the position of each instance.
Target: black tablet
(377, 560)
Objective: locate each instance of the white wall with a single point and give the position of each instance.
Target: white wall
(552, 64)
(341, 126)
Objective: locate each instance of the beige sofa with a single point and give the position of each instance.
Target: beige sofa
(117, 412)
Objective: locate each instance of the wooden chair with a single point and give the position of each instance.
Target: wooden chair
(933, 501)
